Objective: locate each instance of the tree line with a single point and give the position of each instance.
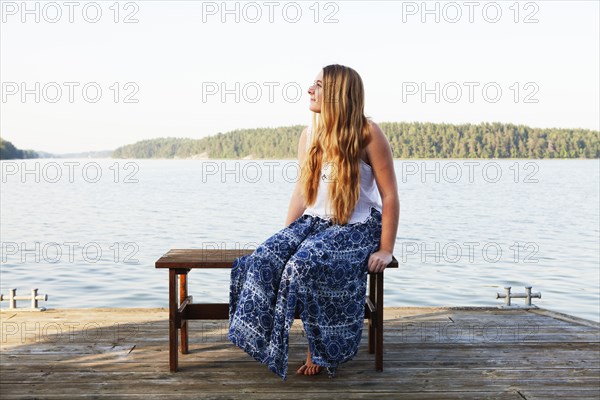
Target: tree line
(9, 152)
(407, 140)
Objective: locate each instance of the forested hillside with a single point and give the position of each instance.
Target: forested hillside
(408, 140)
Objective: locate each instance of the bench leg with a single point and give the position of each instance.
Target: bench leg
(183, 293)
(173, 320)
(379, 329)
(371, 325)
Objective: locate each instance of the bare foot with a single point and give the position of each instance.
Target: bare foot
(309, 368)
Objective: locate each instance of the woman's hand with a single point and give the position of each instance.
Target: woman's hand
(379, 260)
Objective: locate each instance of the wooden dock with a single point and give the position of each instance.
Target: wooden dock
(429, 353)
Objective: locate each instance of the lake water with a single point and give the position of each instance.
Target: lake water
(87, 232)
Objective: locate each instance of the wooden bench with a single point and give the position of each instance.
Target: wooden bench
(181, 261)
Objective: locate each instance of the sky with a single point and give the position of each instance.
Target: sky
(99, 75)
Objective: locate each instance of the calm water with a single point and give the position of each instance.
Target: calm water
(467, 228)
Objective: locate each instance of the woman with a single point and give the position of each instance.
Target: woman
(342, 222)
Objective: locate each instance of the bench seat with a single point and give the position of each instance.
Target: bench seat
(181, 307)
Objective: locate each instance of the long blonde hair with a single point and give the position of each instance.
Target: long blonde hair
(339, 134)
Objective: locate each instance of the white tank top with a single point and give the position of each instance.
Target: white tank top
(369, 193)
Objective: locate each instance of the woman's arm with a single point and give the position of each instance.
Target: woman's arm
(382, 162)
(297, 203)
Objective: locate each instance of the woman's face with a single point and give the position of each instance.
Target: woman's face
(316, 93)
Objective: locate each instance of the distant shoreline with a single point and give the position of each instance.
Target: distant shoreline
(408, 140)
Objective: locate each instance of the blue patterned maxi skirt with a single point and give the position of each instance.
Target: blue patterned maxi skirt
(313, 265)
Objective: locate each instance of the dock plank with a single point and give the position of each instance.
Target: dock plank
(430, 353)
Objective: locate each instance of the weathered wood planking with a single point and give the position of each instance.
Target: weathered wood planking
(431, 353)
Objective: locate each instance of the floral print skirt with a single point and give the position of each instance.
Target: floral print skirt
(316, 267)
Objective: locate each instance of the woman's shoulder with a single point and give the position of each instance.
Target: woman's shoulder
(374, 128)
(377, 141)
(375, 133)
